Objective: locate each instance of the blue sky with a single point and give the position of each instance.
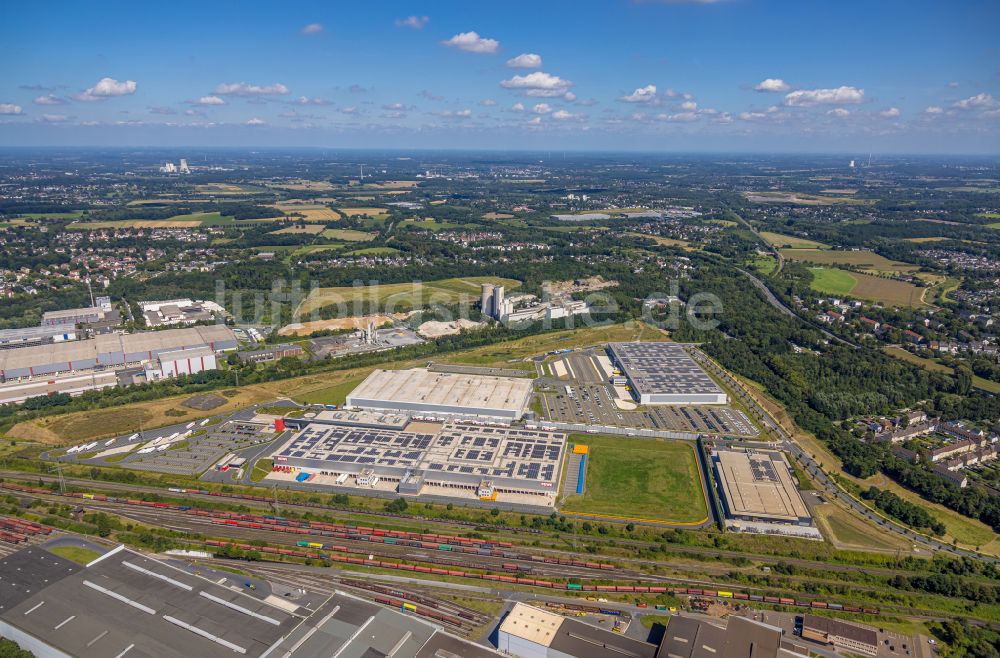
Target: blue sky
(670, 75)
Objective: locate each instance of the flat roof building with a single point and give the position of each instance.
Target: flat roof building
(422, 391)
(110, 351)
(664, 373)
(758, 486)
(455, 457)
(686, 637)
(130, 606)
(840, 634)
(530, 632)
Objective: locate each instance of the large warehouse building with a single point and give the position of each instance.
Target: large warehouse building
(419, 390)
(663, 373)
(456, 458)
(77, 366)
(758, 486)
(530, 632)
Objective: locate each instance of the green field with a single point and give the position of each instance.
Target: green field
(405, 295)
(346, 234)
(779, 241)
(640, 479)
(76, 554)
(764, 264)
(860, 259)
(833, 281)
(336, 394)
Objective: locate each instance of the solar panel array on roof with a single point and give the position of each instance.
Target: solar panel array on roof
(664, 373)
(460, 448)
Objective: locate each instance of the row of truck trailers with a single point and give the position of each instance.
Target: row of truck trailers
(430, 541)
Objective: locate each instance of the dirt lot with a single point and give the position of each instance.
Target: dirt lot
(306, 328)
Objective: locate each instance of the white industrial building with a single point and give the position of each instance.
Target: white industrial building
(421, 391)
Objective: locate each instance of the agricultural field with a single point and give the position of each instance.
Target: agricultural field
(348, 235)
(926, 240)
(867, 260)
(393, 185)
(309, 212)
(373, 251)
(309, 229)
(363, 211)
(404, 296)
(833, 281)
(497, 215)
(661, 478)
(779, 241)
(303, 185)
(189, 220)
(431, 224)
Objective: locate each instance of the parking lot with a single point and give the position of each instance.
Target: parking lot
(594, 404)
(186, 449)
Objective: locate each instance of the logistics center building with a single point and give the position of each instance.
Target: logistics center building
(664, 373)
(473, 460)
(419, 390)
(758, 486)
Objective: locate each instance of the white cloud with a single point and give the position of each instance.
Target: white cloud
(517, 107)
(537, 121)
(838, 96)
(349, 110)
(752, 116)
(211, 100)
(689, 106)
(772, 85)
(525, 61)
(54, 118)
(953, 84)
(473, 43)
(680, 117)
(645, 94)
(107, 88)
(256, 122)
(487, 102)
(839, 112)
(890, 113)
(416, 22)
(313, 28)
(542, 108)
(49, 99)
(244, 89)
(934, 109)
(538, 84)
(305, 100)
(569, 96)
(563, 115)
(981, 101)
(10, 108)
(395, 107)
(456, 114)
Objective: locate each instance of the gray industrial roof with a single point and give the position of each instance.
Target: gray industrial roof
(662, 368)
(131, 606)
(146, 341)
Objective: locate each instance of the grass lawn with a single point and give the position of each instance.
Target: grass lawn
(850, 532)
(261, 469)
(336, 394)
(832, 281)
(640, 479)
(764, 264)
(779, 241)
(76, 554)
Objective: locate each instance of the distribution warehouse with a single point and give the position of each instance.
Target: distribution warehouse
(422, 391)
(75, 366)
(663, 373)
(389, 453)
(759, 486)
